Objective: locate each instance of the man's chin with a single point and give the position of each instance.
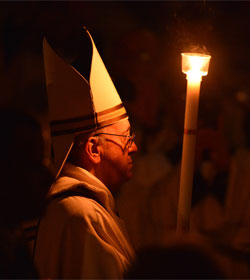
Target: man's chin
(129, 175)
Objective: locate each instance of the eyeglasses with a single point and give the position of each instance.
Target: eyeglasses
(130, 137)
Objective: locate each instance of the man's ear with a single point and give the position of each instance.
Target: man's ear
(93, 149)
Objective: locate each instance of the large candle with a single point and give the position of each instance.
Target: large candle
(194, 65)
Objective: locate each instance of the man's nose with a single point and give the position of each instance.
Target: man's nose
(133, 148)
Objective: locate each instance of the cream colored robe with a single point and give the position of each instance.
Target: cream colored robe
(78, 237)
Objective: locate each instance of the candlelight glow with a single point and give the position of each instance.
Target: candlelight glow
(195, 65)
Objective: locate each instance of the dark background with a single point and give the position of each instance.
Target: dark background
(140, 43)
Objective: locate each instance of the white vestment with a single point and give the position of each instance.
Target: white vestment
(80, 235)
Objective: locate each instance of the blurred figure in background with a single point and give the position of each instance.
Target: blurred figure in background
(183, 258)
(25, 181)
(238, 194)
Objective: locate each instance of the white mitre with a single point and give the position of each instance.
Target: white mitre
(77, 105)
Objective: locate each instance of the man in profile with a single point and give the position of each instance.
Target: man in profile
(80, 235)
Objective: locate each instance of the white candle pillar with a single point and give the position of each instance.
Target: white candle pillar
(195, 66)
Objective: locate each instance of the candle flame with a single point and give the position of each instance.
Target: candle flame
(195, 64)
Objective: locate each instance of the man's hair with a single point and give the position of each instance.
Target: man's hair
(76, 153)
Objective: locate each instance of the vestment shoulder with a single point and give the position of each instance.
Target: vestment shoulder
(76, 207)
